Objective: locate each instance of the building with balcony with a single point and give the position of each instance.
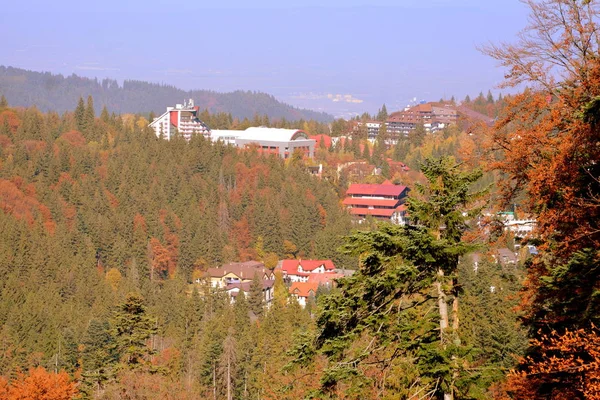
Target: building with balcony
(181, 119)
(383, 202)
(433, 118)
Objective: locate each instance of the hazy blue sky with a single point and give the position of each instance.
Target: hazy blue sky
(303, 52)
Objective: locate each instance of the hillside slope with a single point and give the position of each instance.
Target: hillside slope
(50, 92)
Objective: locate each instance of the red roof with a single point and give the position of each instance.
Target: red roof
(376, 190)
(290, 267)
(303, 289)
(325, 138)
(324, 279)
(365, 201)
(376, 212)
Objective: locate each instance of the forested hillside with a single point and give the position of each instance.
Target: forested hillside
(107, 233)
(105, 227)
(85, 221)
(52, 92)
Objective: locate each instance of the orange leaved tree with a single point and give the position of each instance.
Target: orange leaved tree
(39, 385)
(547, 146)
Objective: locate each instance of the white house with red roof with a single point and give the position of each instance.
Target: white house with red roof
(301, 270)
(303, 291)
(381, 201)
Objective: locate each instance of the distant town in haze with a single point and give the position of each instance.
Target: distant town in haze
(300, 200)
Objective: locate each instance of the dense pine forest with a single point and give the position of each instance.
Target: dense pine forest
(107, 232)
(125, 212)
(105, 229)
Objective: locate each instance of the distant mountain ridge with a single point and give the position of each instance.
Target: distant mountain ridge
(54, 92)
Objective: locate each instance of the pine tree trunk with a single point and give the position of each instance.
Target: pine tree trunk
(443, 306)
(455, 315)
(214, 381)
(229, 378)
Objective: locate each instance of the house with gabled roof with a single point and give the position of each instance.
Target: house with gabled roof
(237, 272)
(301, 270)
(303, 291)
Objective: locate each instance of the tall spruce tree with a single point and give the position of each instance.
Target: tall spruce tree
(382, 115)
(98, 358)
(80, 115)
(88, 118)
(255, 297)
(132, 328)
(382, 315)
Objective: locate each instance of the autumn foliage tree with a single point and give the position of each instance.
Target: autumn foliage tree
(39, 385)
(570, 362)
(546, 144)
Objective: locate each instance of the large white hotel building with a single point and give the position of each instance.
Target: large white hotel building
(183, 119)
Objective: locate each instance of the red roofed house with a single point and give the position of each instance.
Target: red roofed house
(302, 291)
(384, 201)
(300, 270)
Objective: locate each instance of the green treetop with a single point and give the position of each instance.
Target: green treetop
(132, 328)
(395, 307)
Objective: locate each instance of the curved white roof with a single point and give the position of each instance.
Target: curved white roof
(274, 134)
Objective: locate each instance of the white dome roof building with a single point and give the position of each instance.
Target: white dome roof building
(283, 142)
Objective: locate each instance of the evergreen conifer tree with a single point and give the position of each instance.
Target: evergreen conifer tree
(80, 115)
(255, 297)
(98, 357)
(131, 329)
(391, 297)
(382, 115)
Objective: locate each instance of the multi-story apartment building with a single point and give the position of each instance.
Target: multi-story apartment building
(373, 130)
(432, 118)
(384, 201)
(182, 119)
